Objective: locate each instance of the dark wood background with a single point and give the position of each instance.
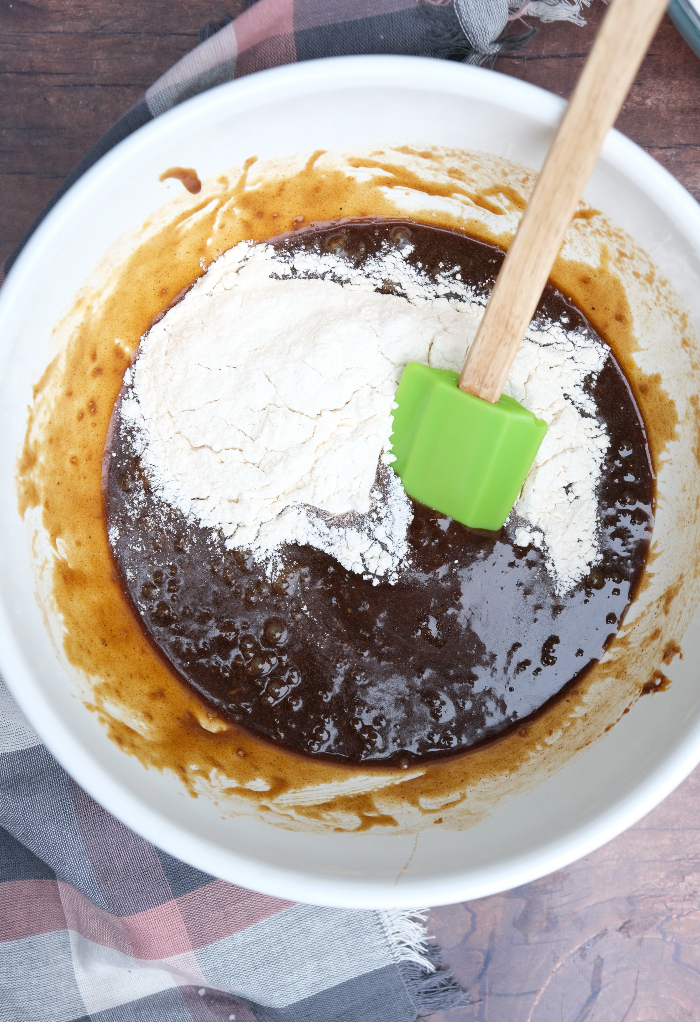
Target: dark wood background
(69, 68)
(616, 936)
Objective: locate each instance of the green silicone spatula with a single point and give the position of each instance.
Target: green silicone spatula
(461, 446)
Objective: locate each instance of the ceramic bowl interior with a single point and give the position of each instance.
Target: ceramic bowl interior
(332, 104)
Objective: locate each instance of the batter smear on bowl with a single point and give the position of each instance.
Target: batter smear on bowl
(272, 555)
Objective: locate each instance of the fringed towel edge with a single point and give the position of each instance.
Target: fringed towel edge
(430, 986)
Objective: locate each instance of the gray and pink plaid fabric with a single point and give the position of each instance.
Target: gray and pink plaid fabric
(97, 924)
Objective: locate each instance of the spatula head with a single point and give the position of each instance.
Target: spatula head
(459, 454)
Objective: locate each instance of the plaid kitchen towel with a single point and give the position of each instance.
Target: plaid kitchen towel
(274, 32)
(97, 924)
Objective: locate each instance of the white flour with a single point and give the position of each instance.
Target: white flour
(261, 405)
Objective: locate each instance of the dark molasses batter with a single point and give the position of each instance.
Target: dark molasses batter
(470, 642)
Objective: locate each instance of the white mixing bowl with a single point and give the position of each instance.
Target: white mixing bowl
(331, 104)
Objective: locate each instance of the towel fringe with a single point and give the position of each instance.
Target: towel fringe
(550, 10)
(431, 987)
(407, 934)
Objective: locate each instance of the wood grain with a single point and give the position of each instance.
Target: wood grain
(614, 937)
(661, 111)
(68, 70)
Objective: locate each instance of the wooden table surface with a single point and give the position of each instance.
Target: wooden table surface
(616, 936)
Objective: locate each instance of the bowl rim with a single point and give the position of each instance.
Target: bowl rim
(63, 742)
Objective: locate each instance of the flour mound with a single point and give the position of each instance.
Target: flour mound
(261, 407)
(559, 495)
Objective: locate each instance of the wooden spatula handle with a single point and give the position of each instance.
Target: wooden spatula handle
(622, 41)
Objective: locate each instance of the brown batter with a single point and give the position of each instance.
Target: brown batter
(471, 641)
